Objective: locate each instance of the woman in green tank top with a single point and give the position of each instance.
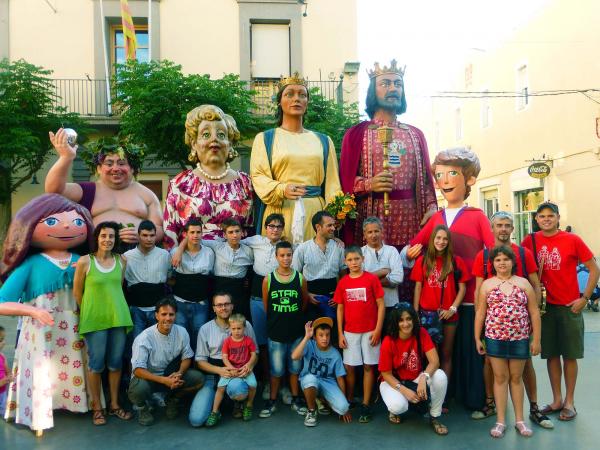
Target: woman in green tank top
(104, 318)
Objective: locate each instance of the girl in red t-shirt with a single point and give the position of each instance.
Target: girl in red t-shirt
(437, 275)
(404, 380)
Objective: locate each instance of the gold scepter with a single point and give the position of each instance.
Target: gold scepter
(384, 136)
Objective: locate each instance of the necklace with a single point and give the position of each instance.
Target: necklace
(213, 177)
(284, 274)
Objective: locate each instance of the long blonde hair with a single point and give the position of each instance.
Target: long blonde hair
(447, 254)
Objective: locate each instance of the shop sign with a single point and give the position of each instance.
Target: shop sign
(539, 170)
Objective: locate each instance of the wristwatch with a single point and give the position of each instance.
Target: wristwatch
(453, 309)
(426, 375)
(397, 387)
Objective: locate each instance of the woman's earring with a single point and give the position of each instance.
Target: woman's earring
(192, 157)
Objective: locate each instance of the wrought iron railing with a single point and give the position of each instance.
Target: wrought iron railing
(89, 97)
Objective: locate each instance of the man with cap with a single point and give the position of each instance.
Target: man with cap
(323, 371)
(557, 253)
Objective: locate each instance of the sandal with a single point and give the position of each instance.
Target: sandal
(497, 430)
(120, 413)
(567, 414)
(98, 417)
(394, 418)
(438, 427)
(487, 411)
(548, 409)
(523, 429)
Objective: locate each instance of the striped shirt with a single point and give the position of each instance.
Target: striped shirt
(153, 350)
(211, 337)
(230, 263)
(201, 262)
(152, 267)
(316, 264)
(264, 254)
(387, 257)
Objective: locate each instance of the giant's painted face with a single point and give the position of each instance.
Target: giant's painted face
(452, 184)
(212, 145)
(60, 231)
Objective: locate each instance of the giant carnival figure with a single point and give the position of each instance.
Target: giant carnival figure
(294, 170)
(455, 171)
(400, 182)
(38, 269)
(212, 192)
(115, 195)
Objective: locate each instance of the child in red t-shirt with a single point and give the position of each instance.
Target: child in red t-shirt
(239, 355)
(360, 313)
(437, 275)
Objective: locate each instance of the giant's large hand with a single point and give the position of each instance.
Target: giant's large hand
(382, 182)
(61, 144)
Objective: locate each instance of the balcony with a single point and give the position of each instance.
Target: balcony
(89, 98)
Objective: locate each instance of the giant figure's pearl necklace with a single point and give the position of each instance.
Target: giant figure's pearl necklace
(213, 177)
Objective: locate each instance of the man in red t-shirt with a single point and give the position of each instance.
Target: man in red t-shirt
(558, 254)
(502, 227)
(360, 313)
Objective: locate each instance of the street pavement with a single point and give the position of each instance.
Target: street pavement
(285, 429)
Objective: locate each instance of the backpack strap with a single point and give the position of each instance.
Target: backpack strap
(485, 262)
(535, 255)
(523, 262)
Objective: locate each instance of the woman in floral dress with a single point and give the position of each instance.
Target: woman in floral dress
(212, 191)
(38, 269)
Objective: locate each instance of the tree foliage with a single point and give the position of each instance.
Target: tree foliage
(155, 98)
(27, 113)
(329, 117)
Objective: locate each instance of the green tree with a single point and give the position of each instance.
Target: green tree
(155, 97)
(27, 113)
(329, 117)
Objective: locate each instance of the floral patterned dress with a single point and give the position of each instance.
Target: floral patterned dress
(190, 196)
(48, 369)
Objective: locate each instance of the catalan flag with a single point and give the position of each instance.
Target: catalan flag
(128, 30)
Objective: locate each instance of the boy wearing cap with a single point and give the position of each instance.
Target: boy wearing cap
(323, 371)
(558, 253)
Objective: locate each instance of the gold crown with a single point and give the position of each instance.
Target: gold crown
(393, 68)
(294, 79)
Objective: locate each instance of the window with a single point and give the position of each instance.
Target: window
(522, 87)
(117, 54)
(526, 203)
(490, 202)
(486, 110)
(458, 123)
(270, 50)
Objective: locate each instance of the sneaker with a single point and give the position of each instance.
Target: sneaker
(366, 415)
(298, 406)
(286, 396)
(145, 417)
(595, 307)
(310, 419)
(268, 410)
(322, 408)
(158, 398)
(213, 419)
(172, 409)
(247, 413)
(536, 416)
(266, 395)
(237, 410)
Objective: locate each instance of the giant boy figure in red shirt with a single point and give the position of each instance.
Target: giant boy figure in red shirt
(558, 253)
(455, 171)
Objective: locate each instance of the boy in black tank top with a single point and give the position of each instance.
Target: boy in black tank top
(285, 297)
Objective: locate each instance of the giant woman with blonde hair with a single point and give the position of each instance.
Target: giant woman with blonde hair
(212, 191)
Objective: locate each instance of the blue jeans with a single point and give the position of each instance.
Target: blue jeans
(105, 345)
(192, 316)
(259, 320)
(237, 390)
(141, 320)
(279, 354)
(330, 390)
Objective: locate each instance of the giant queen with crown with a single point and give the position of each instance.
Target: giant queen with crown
(403, 173)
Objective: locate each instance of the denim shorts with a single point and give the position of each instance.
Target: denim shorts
(279, 354)
(507, 349)
(249, 379)
(105, 346)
